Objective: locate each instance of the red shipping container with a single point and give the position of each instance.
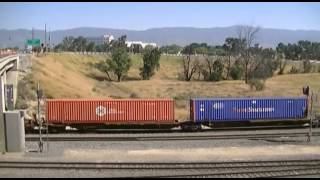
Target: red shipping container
(120, 111)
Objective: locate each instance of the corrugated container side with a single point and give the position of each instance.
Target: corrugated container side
(244, 109)
(191, 110)
(110, 111)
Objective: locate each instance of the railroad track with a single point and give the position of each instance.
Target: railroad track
(171, 138)
(195, 169)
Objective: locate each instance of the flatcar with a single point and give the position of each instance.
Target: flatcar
(86, 113)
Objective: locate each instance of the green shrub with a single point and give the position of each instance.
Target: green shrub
(21, 104)
(25, 93)
(294, 70)
(179, 97)
(134, 95)
(256, 84)
(236, 71)
(307, 66)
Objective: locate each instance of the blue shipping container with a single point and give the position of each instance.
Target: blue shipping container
(247, 109)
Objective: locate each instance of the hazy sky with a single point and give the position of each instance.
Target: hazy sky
(141, 16)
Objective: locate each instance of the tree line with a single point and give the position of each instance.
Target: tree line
(294, 51)
(81, 44)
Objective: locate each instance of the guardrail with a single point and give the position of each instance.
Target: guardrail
(7, 52)
(7, 62)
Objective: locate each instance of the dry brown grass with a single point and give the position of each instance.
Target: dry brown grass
(72, 76)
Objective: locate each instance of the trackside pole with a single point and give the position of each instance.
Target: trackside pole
(39, 96)
(311, 118)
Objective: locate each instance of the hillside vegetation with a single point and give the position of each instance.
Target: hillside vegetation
(70, 75)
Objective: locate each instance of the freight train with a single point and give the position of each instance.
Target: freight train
(84, 114)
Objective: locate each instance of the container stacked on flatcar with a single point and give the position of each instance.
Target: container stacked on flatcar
(247, 109)
(113, 111)
(83, 112)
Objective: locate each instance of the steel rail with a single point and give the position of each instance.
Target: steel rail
(173, 138)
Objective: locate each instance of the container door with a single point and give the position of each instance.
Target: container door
(201, 111)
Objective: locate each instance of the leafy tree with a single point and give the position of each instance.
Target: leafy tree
(67, 43)
(120, 62)
(231, 48)
(201, 50)
(306, 49)
(90, 47)
(188, 50)
(58, 48)
(265, 63)
(136, 48)
(303, 50)
(171, 49)
(36, 49)
(79, 44)
(151, 57)
(100, 48)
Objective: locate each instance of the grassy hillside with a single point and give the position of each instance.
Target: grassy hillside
(70, 75)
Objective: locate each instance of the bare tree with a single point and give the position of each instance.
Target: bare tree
(247, 35)
(281, 58)
(190, 66)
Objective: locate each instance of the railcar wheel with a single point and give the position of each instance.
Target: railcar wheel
(191, 127)
(82, 129)
(54, 129)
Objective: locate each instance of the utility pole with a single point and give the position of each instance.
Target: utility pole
(32, 35)
(49, 39)
(45, 37)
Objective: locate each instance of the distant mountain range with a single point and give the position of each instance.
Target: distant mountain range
(162, 36)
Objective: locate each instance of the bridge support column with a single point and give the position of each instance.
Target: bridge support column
(12, 79)
(2, 121)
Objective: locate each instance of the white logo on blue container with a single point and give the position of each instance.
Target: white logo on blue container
(217, 106)
(201, 107)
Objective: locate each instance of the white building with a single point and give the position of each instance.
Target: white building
(129, 43)
(108, 38)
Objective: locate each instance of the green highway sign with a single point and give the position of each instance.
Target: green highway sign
(33, 42)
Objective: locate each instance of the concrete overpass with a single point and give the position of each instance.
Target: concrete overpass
(8, 89)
